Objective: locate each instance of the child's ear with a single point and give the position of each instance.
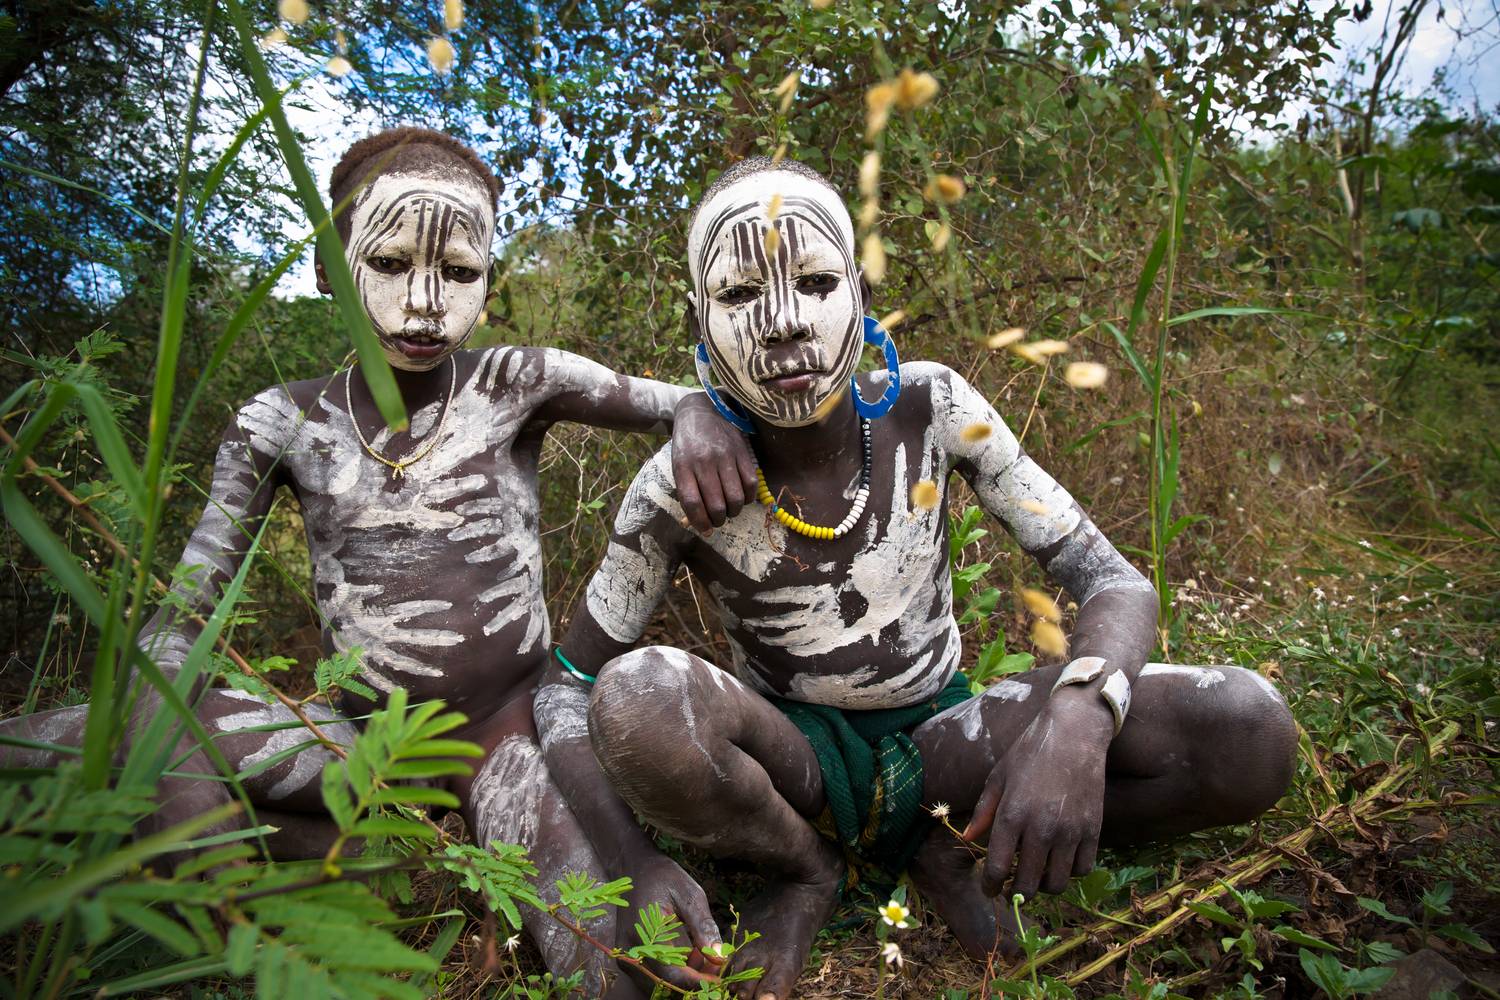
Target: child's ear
(691, 316)
(866, 293)
(323, 285)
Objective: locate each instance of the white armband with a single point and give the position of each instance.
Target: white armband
(1116, 689)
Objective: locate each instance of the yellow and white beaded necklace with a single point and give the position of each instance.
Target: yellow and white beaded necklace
(817, 531)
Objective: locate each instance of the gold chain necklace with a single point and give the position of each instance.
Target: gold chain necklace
(398, 469)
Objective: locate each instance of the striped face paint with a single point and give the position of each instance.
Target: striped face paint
(781, 317)
(419, 247)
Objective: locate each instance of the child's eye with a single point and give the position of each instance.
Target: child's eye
(817, 284)
(457, 272)
(387, 265)
(736, 295)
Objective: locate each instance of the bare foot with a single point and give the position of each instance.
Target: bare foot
(944, 872)
(788, 914)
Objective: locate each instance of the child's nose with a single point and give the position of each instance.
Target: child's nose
(424, 293)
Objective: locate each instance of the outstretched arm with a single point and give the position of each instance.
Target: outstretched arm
(711, 462)
(644, 552)
(244, 482)
(1043, 804)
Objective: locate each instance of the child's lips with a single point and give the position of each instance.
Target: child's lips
(419, 345)
(794, 382)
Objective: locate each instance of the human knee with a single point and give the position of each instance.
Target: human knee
(645, 723)
(1264, 741)
(60, 727)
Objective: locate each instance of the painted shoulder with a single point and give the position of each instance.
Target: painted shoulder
(535, 369)
(652, 493)
(272, 417)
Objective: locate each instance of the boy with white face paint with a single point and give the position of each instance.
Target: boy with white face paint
(840, 709)
(424, 543)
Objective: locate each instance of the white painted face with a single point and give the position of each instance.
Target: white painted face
(419, 247)
(783, 330)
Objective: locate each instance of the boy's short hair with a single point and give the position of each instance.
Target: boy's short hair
(749, 166)
(405, 150)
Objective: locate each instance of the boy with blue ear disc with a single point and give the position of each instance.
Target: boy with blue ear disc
(840, 718)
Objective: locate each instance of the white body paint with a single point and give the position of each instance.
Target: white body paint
(807, 291)
(419, 250)
(302, 769)
(901, 629)
(386, 578)
(1202, 677)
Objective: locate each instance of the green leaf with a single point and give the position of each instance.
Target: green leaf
(1216, 913)
(336, 795)
(414, 795)
(1436, 899)
(239, 952)
(148, 921)
(1464, 934)
(1378, 908)
(391, 826)
(1292, 934)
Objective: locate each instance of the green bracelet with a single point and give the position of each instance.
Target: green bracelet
(557, 651)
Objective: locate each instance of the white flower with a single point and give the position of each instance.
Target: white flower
(940, 811)
(512, 941)
(891, 952)
(894, 914)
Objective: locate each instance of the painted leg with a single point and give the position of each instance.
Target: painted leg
(1203, 746)
(514, 801)
(967, 740)
(711, 762)
(291, 785)
(59, 726)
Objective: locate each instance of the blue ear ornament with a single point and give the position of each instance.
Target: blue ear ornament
(876, 336)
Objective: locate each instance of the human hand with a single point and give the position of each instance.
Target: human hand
(662, 881)
(1042, 805)
(711, 463)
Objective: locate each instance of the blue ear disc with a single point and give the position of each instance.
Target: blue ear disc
(875, 336)
(725, 408)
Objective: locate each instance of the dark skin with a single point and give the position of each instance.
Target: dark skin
(434, 574)
(1039, 776)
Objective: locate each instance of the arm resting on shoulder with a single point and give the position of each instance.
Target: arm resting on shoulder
(712, 464)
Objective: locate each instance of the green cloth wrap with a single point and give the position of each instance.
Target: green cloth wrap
(872, 772)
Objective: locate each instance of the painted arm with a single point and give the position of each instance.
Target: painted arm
(646, 548)
(244, 482)
(1044, 802)
(711, 463)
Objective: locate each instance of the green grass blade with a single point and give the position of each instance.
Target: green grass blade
(1146, 282)
(231, 335)
(64, 182)
(167, 975)
(1131, 356)
(52, 895)
(377, 372)
(1213, 311)
(112, 446)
